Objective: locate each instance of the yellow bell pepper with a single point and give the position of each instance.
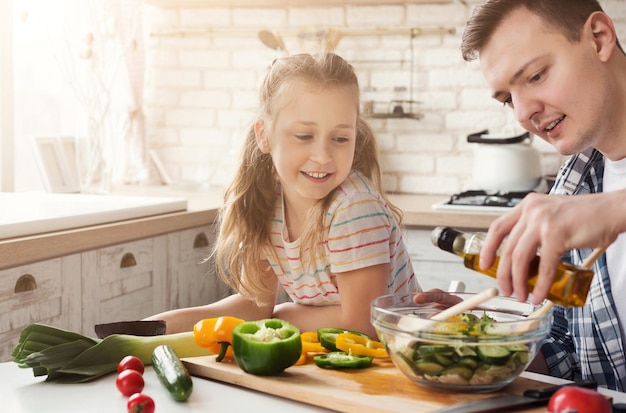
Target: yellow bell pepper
(216, 335)
(360, 346)
(310, 344)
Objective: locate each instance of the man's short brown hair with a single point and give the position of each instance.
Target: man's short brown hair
(565, 16)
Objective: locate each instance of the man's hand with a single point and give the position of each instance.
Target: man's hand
(553, 225)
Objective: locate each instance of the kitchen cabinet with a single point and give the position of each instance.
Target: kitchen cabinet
(436, 268)
(44, 292)
(193, 279)
(126, 281)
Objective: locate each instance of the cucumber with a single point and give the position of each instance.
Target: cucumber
(517, 347)
(426, 367)
(172, 373)
(442, 359)
(520, 357)
(493, 354)
(430, 349)
(458, 369)
(470, 362)
(465, 351)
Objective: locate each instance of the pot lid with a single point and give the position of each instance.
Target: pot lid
(483, 137)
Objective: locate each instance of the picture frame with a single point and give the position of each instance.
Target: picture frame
(56, 159)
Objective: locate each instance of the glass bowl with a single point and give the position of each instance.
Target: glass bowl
(466, 354)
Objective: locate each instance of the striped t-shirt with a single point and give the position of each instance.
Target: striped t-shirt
(361, 232)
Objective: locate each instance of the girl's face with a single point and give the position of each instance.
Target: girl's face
(311, 141)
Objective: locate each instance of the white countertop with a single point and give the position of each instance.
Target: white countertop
(21, 392)
(28, 213)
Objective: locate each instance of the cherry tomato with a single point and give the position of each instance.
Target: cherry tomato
(130, 363)
(140, 403)
(579, 399)
(129, 382)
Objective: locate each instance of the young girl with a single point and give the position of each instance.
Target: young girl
(306, 210)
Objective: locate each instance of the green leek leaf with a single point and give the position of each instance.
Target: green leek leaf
(68, 357)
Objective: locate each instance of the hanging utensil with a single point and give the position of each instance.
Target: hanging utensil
(333, 37)
(272, 40)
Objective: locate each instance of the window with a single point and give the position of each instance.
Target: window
(6, 97)
(55, 48)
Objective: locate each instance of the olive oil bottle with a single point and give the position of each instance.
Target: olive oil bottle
(571, 283)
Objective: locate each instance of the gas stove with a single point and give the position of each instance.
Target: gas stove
(477, 200)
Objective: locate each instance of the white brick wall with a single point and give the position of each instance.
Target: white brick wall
(201, 90)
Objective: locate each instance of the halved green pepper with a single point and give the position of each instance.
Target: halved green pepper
(266, 347)
(342, 360)
(328, 337)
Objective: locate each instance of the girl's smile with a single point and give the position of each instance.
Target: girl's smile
(317, 176)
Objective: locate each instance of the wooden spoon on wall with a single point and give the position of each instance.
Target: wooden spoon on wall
(272, 40)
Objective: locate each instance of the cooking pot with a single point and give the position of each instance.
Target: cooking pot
(505, 164)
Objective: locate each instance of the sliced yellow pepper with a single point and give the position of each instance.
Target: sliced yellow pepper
(302, 360)
(360, 346)
(310, 344)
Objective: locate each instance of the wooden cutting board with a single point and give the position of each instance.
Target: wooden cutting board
(380, 388)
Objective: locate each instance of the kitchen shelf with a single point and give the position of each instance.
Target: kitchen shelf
(282, 3)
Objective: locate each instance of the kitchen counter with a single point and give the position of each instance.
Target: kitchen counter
(22, 393)
(418, 212)
(202, 207)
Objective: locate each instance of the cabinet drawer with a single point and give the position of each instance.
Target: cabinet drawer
(123, 282)
(194, 279)
(46, 292)
(119, 262)
(124, 269)
(196, 244)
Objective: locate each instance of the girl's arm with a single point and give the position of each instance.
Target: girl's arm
(183, 319)
(357, 289)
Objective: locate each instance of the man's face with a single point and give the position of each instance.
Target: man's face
(556, 88)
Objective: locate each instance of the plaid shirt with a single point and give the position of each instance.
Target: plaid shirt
(586, 342)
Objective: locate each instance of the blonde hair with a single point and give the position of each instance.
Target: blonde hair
(245, 218)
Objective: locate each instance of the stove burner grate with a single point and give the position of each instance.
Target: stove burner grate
(483, 198)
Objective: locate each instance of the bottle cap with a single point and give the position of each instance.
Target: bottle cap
(443, 237)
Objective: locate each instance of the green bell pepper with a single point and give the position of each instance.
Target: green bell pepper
(328, 337)
(342, 360)
(266, 347)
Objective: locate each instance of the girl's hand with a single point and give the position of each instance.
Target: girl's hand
(437, 297)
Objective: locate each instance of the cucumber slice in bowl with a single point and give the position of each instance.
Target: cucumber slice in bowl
(493, 354)
(459, 369)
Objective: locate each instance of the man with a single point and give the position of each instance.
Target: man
(559, 66)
